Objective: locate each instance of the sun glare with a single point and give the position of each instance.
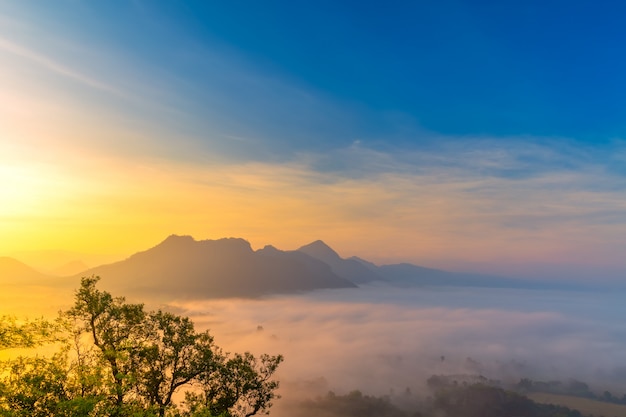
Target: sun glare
(21, 190)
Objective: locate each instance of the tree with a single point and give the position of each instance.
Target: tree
(241, 386)
(34, 387)
(174, 355)
(31, 386)
(116, 329)
(119, 360)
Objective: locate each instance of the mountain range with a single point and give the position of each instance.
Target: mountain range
(181, 267)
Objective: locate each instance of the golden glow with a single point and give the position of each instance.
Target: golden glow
(120, 205)
(78, 174)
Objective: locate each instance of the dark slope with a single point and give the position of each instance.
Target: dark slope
(349, 269)
(185, 268)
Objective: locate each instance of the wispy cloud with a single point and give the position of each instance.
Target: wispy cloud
(58, 68)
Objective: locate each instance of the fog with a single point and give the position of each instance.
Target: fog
(382, 340)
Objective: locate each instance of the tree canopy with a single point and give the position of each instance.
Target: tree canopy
(15, 334)
(117, 359)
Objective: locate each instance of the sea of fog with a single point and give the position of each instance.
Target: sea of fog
(380, 339)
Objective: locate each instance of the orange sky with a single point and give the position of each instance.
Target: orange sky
(56, 198)
(102, 154)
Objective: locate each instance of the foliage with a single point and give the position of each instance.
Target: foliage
(241, 386)
(480, 400)
(119, 360)
(14, 334)
(354, 404)
(571, 387)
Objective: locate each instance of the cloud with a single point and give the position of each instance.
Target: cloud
(432, 207)
(58, 68)
(566, 194)
(378, 339)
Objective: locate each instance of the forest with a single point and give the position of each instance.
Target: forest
(475, 400)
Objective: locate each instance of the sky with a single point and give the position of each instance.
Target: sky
(468, 135)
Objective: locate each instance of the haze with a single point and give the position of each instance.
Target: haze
(381, 340)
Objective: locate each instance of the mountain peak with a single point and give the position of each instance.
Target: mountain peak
(12, 263)
(177, 239)
(269, 249)
(349, 269)
(184, 244)
(320, 250)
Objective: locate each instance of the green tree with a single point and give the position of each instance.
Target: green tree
(31, 386)
(115, 359)
(241, 386)
(173, 355)
(141, 359)
(117, 331)
(34, 386)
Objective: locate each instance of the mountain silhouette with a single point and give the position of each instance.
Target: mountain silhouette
(409, 275)
(361, 271)
(349, 269)
(183, 267)
(13, 271)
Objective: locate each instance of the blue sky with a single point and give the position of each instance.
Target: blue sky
(487, 132)
(460, 68)
(388, 73)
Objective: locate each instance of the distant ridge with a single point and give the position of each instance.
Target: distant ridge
(407, 275)
(183, 267)
(70, 268)
(320, 250)
(13, 271)
(349, 269)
